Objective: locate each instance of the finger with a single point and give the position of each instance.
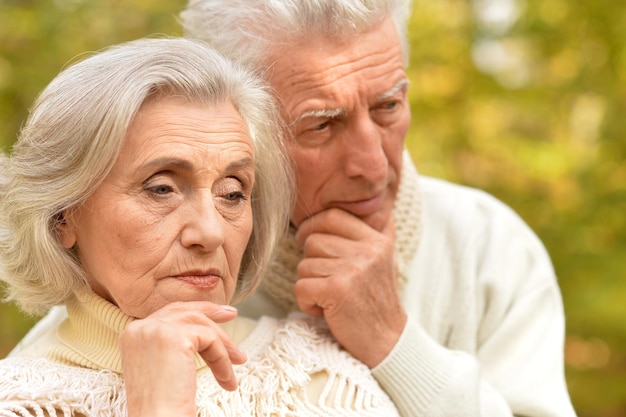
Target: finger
(319, 268)
(220, 353)
(310, 309)
(235, 355)
(223, 314)
(334, 222)
(323, 246)
(215, 312)
(311, 295)
(217, 358)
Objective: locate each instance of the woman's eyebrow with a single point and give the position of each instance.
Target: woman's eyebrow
(168, 162)
(188, 166)
(239, 164)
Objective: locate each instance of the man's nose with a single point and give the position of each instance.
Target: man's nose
(365, 156)
(203, 227)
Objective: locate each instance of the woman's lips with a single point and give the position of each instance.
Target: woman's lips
(200, 281)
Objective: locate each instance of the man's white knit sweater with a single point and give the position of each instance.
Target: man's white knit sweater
(485, 333)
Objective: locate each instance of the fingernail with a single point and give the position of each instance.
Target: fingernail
(228, 308)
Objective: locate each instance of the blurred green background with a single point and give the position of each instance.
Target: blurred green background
(525, 99)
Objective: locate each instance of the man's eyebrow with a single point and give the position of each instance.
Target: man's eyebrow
(322, 113)
(403, 83)
(341, 112)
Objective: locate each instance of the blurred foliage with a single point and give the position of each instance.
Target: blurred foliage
(532, 111)
(520, 98)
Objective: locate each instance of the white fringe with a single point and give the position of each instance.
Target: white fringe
(273, 382)
(38, 387)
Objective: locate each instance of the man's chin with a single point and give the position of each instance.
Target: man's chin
(378, 221)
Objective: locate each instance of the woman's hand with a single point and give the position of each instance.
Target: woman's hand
(158, 357)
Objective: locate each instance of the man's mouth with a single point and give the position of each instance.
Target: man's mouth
(362, 207)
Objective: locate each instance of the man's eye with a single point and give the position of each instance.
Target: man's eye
(388, 105)
(321, 126)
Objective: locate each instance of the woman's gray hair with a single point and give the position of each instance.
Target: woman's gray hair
(247, 30)
(73, 136)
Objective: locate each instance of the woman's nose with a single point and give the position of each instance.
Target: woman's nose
(202, 225)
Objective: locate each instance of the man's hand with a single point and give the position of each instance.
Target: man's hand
(158, 357)
(349, 275)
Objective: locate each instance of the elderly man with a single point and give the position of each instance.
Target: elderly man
(466, 318)
(441, 290)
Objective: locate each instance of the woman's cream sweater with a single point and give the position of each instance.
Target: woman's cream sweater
(294, 368)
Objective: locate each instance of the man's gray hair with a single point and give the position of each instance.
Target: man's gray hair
(247, 30)
(73, 137)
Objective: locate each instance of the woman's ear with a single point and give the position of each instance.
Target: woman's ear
(66, 230)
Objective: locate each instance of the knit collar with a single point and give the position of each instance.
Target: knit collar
(89, 336)
(281, 276)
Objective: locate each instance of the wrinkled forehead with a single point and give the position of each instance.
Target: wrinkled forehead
(328, 29)
(324, 74)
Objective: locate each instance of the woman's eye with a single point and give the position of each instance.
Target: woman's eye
(235, 195)
(161, 189)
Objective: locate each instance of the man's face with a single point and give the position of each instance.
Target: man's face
(346, 104)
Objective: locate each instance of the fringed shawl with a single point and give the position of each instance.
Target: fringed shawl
(284, 356)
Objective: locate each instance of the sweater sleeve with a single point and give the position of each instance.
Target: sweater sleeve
(425, 379)
(486, 324)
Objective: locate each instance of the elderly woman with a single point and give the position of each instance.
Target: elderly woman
(129, 198)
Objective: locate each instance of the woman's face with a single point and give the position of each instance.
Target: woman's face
(172, 219)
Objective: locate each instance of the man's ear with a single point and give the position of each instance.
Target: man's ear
(66, 230)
